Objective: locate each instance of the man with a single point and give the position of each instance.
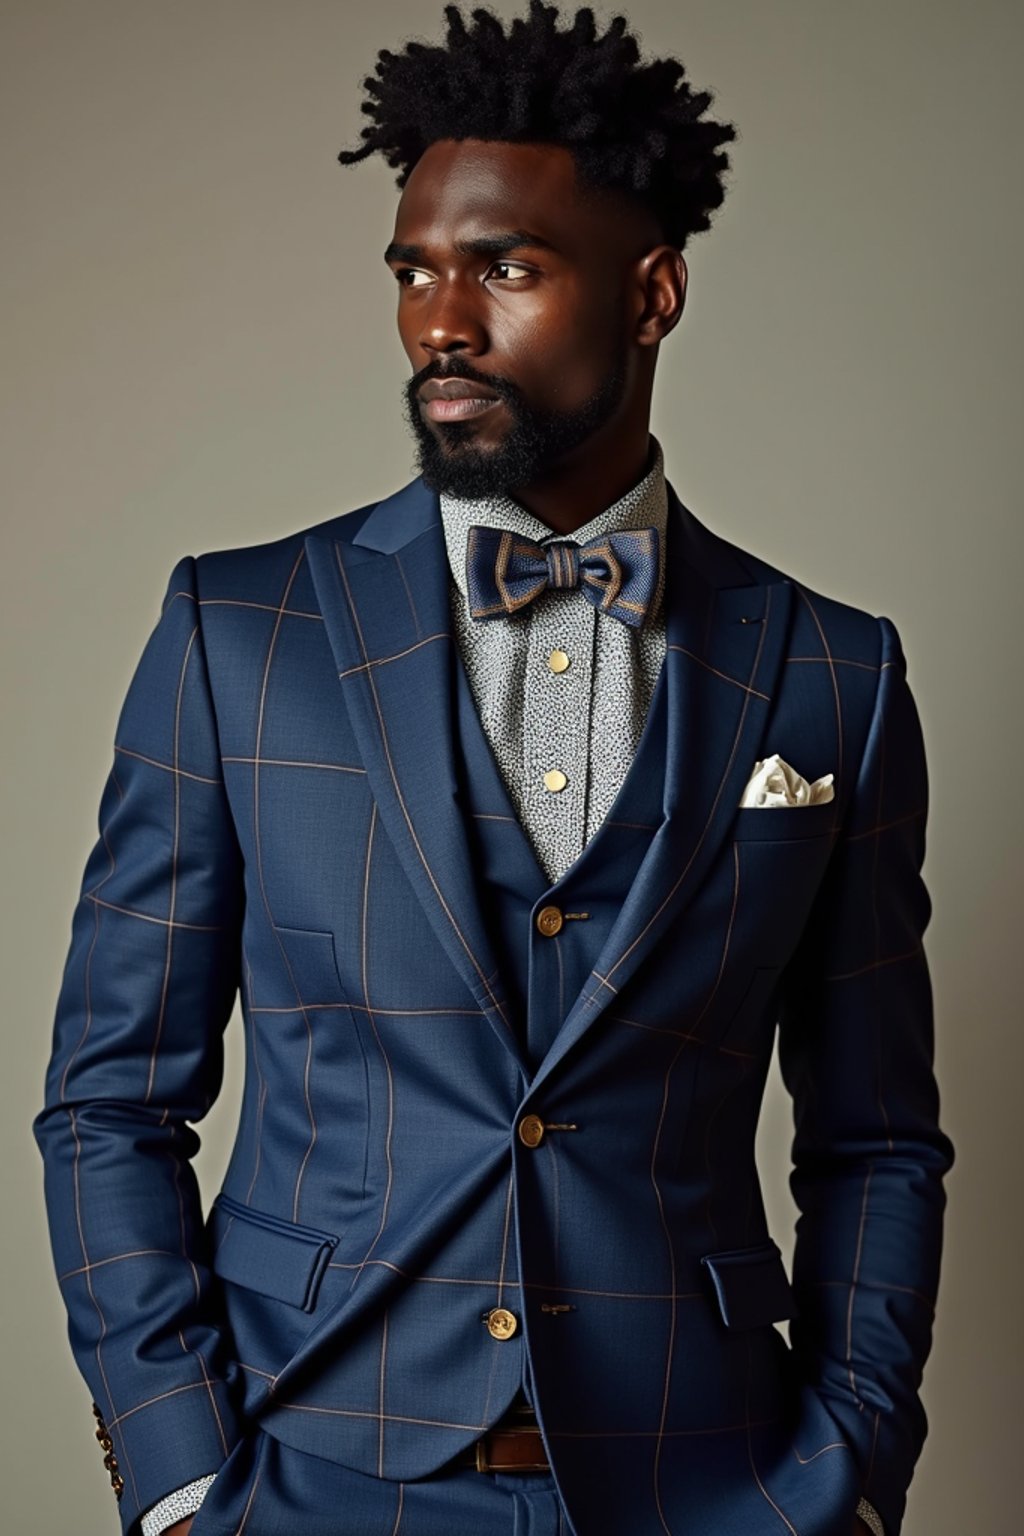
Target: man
(521, 807)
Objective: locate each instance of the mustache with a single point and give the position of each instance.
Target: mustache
(458, 370)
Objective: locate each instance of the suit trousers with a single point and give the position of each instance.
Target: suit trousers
(267, 1488)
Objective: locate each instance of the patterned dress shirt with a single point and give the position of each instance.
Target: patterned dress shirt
(558, 686)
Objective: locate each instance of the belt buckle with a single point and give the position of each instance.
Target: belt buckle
(484, 1464)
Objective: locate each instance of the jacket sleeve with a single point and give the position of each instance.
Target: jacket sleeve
(856, 1053)
(148, 986)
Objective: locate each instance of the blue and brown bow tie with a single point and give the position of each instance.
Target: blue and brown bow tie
(617, 572)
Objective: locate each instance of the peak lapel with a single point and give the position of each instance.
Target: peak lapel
(726, 641)
(384, 598)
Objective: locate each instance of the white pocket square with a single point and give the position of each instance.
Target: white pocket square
(774, 782)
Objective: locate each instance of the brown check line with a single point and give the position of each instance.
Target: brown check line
(741, 1079)
(240, 1529)
(858, 1251)
(379, 661)
(408, 592)
(258, 842)
(148, 917)
(169, 943)
(115, 1258)
(479, 1013)
(186, 1348)
(239, 602)
(365, 980)
(835, 680)
(881, 1285)
(149, 1402)
(670, 1346)
(839, 661)
(876, 965)
(76, 1181)
(750, 1447)
(605, 981)
(495, 1004)
(154, 762)
(94, 941)
(724, 675)
(684, 1034)
(289, 762)
(884, 826)
(503, 1283)
(261, 1097)
(380, 1395)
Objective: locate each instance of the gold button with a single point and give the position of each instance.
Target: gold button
(531, 1130)
(558, 661)
(549, 920)
(555, 779)
(501, 1323)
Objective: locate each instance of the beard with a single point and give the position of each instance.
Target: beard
(451, 460)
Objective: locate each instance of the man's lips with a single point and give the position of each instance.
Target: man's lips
(455, 399)
(440, 409)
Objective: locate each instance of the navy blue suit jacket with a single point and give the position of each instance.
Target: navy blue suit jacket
(303, 806)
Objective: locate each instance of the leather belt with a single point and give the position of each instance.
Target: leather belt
(514, 1444)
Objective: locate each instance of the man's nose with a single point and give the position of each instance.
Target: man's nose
(451, 322)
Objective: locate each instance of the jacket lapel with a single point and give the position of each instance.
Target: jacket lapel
(726, 641)
(384, 599)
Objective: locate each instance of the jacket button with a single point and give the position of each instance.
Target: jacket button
(531, 1130)
(549, 921)
(501, 1323)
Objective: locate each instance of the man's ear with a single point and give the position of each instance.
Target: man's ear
(661, 279)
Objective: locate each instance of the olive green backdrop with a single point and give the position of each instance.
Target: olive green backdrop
(199, 350)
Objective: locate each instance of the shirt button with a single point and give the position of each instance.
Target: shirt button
(501, 1323)
(549, 921)
(555, 779)
(531, 1130)
(558, 661)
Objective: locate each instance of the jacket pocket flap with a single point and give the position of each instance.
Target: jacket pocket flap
(268, 1254)
(751, 1285)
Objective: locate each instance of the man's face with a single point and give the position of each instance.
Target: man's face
(514, 283)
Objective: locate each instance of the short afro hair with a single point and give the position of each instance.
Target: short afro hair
(636, 128)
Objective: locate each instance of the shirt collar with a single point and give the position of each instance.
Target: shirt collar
(644, 505)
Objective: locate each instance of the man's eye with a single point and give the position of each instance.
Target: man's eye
(525, 270)
(402, 273)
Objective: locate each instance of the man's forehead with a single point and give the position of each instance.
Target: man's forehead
(473, 187)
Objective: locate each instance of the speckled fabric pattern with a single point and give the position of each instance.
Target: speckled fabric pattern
(586, 720)
(177, 1506)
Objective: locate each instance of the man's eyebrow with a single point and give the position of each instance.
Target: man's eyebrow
(483, 245)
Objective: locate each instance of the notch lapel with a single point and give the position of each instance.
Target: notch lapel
(384, 599)
(726, 636)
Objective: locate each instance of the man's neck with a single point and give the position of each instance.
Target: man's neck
(578, 490)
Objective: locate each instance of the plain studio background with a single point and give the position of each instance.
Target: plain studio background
(200, 351)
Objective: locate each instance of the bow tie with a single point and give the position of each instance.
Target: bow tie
(617, 572)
